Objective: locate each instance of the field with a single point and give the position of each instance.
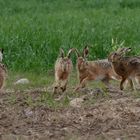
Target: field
(31, 33)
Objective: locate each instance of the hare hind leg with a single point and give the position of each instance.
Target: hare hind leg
(82, 83)
(137, 79)
(132, 85)
(122, 82)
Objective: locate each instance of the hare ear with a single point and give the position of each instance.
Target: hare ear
(77, 53)
(127, 50)
(123, 50)
(85, 51)
(62, 53)
(69, 52)
(120, 50)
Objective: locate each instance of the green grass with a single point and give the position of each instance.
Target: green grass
(35, 80)
(32, 31)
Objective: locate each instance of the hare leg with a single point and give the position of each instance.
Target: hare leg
(56, 87)
(64, 85)
(126, 83)
(121, 84)
(82, 84)
(132, 84)
(137, 79)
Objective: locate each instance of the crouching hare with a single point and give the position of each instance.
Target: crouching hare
(93, 70)
(63, 68)
(126, 67)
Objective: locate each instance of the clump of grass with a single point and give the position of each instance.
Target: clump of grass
(48, 100)
(12, 99)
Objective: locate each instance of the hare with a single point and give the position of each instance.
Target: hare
(1, 54)
(63, 68)
(3, 72)
(126, 67)
(93, 70)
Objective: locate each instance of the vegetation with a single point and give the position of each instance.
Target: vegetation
(32, 31)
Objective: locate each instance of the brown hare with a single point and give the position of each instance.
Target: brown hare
(1, 54)
(3, 72)
(93, 70)
(126, 67)
(63, 68)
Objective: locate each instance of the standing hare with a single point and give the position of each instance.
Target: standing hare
(1, 54)
(3, 72)
(93, 70)
(126, 67)
(63, 68)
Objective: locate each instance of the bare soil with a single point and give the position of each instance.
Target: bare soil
(115, 116)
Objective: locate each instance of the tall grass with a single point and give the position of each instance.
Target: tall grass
(32, 31)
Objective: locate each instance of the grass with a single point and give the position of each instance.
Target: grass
(35, 80)
(33, 31)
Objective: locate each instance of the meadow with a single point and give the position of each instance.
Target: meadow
(32, 31)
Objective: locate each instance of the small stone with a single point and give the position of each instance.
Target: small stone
(77, 102)
(22, 81)
(28, 112)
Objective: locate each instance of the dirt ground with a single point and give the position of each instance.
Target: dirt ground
(115, 117)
